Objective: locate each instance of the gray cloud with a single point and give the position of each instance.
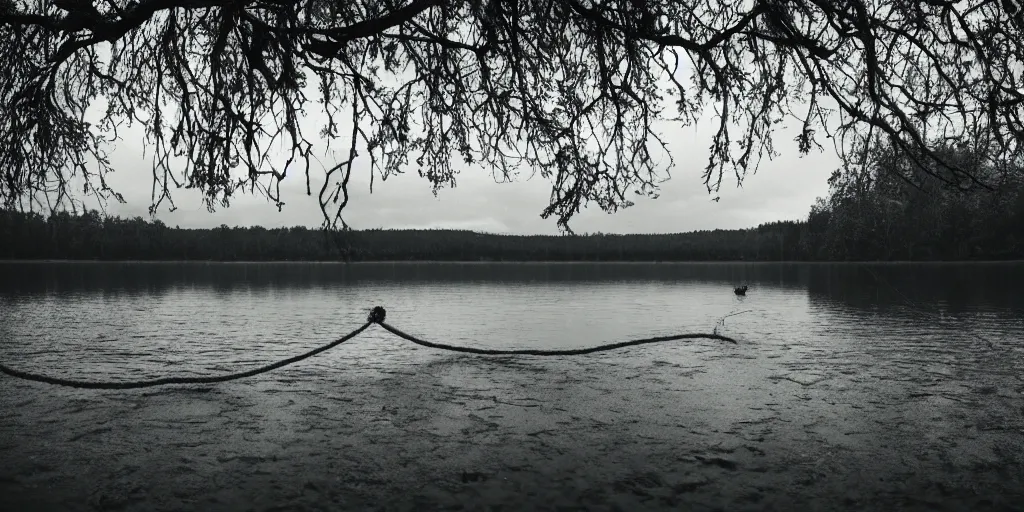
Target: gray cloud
(781, 189)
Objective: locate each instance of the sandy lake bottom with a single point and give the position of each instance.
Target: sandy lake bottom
(697, 426)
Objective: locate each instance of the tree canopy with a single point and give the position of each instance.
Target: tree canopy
(572, 89)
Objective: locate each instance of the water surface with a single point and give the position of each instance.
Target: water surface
(905, 376)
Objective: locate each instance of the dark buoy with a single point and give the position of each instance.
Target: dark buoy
(742, 290)
(377, 315)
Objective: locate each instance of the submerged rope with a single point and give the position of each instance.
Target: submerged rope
(537, 352)
(376, 317)
(179, 380)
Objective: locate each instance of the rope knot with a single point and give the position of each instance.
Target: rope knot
(377, 315)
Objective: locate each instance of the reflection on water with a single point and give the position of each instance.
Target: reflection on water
(264, 310)
(884, 375)
(957, 287)
(951, 288)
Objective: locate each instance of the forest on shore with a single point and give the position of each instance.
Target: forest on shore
(886, 211)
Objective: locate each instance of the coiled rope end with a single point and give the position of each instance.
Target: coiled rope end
(377, 315)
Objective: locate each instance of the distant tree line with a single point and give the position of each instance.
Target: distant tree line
(885, 211)
(91, 236)
(891, 209)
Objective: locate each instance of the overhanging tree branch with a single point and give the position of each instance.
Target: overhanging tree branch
(570, 88)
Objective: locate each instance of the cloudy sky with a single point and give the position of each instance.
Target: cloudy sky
(782, 189)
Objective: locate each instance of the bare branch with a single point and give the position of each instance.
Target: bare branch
(572, 89)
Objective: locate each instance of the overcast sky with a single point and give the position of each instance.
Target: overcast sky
(782, 189)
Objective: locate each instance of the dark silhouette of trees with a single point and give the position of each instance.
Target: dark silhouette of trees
(886, 210)
(889, 209)
(90, 236)
(570, 88)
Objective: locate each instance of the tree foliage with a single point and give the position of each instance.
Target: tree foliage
(91, 236)
(573, 89)
(890, 210)
(873, 215)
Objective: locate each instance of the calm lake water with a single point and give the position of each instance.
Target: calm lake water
(139, 318)
(842, 364)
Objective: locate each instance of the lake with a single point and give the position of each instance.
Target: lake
(852, 386)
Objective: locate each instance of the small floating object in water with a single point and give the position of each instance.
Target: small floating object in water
(377, 315)
(742, 290)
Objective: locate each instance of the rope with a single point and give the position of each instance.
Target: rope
(571, 352)
(179, 380)
(376, 317)
(721, 321)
